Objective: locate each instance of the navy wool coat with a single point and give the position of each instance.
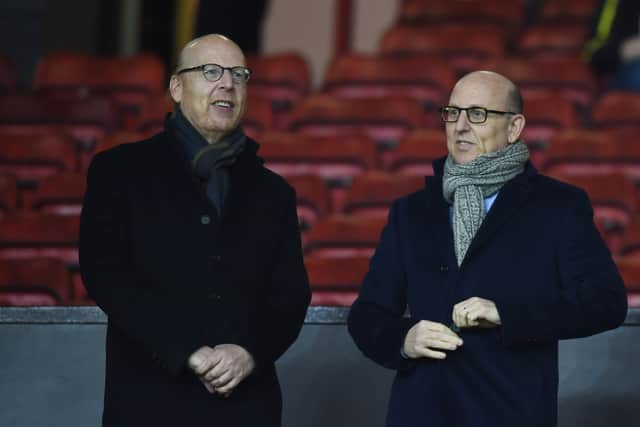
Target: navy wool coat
(537, 255)
(173, 276)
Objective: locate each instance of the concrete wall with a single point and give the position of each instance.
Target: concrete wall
(52, 367)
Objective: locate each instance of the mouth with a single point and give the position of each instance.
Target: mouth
(464, 144)
(222, 104)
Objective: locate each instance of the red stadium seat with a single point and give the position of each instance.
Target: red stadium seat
(416, 151)
(313, 199)
(8, 194)
(425, 78)
(371, 194)
(613, 196)
(617, 110)
(127, 81)
(8, 75)
(332, 158)
(34, 282)
(569, 77)
(258, 117)
(567, 11)
(593, 152)
(30, 158)
(386, 121)
(465, 46)
(335, 281)
(344, 236)
(59, 194)
(336, 159)
(553, 40)
(85, 119)
(284, 78)
(629, 268)
(630, 243)
(502, 13)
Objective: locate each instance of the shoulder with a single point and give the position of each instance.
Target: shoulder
(557, 192)
(130, 153)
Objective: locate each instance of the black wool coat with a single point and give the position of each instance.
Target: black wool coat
(172, 276)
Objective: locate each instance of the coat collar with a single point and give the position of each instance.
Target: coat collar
(510, 200)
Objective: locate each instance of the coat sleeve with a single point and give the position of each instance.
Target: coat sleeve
(167, 332)
(376, 321)
(283, 311)
(589, 296)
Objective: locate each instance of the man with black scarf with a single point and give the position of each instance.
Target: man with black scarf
(192, 249)
(479, 275)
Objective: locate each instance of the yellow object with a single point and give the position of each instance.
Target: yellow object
(186, 13)
(608, 15)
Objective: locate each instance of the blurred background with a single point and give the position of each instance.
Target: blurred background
(343, 100)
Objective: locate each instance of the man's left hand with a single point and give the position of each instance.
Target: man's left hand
(233, 365)
(474, 312)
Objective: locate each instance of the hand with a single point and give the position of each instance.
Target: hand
(630, 49)
(476, 311)
(425, 336)
(222, 368)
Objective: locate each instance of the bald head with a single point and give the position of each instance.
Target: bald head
(193, 50)
(505, 91)
(468, 138)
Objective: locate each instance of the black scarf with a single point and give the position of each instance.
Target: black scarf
(210, 162)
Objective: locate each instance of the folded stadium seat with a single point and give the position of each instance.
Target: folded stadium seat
(617, 109)
(384, 120)
(33, 234)
(8, 194)
(465, 46)
(416, 151)
(567, 11)
(127, 81)
(335, 281)
(507, 14)
(340, 236)
(258, 117)
(59, 194)
(569, 77)
(8, 76)
(312, 200)
(546, 114)
(425, 78)
(31, 158)
(629, 268)
(337, 159)
(283, 78)
(630, 242)
(594, 152)
(34, 282)
(613, 196)
(85, 119)
(552, 41)
(372, 194)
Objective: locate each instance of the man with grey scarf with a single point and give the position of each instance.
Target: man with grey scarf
(192, 249)
(478, 276)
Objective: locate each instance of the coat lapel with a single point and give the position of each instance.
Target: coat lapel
(441, 224)
(511, 198)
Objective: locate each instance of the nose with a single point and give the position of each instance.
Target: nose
(226, 81)
(463, 121)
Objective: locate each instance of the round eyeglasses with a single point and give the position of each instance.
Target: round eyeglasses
(475, 115)
(214, 72)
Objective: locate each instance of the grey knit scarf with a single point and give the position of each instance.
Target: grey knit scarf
(466, 185)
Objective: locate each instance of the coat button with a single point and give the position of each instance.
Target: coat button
(205, 219)
(216, 258)
(444, 268)
(215, 296)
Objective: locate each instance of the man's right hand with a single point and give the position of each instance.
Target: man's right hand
(425, 336)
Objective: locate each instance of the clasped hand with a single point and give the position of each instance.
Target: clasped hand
(425, 338)
(222, 367)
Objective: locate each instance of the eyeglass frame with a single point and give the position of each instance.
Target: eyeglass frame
(466, 110)
(246, 70)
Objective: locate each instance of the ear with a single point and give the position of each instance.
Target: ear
(175, 88)
(516, 125)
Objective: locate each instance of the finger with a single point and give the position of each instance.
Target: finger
(434, 327)
(215, 372)
(431, 354)
(228, 388)
(443, 337)
(442, 345)
(208, 386)
(222, 380)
